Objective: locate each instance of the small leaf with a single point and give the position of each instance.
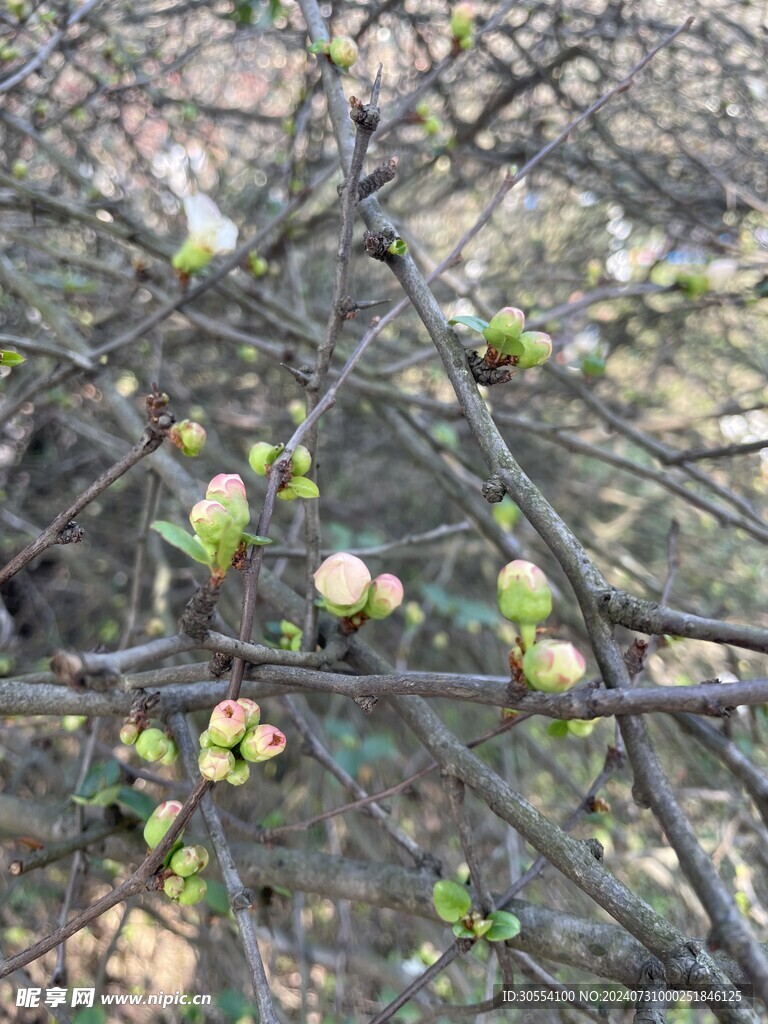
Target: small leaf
(398, 248)
(299, 487)
(481, 927)
(254, 538)
(451, 900)
(99, 776)
(474, 322)
(184, 541)
(216, 897)
(503, 926)
(462, 932)
(228, 545)
(558, 728)
(8, 358)
(140, 803)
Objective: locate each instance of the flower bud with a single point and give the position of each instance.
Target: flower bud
(188, 861)
(159, 821)
(173, 886)
(189, 437)
(215, 763)
(581, 726)
(152, 745)
(129, 733)
(262, 742)
(172, 753)
(523, 593)
(262, 455)
(343, 51)
(205, 739)
(191, 257)
(553, 666)
(343, 580)
(505, 326)
(301, 461)
(536, 349)
(384, 595)
(194, 891)
(252, 711)
(229, 490)
(227, 724)
(462, 21)
(209, 519)
(239, 774)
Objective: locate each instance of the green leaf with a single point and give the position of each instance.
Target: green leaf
(451, 900)
(8, 358)
(299, 487)
(462, 932)
(558, 728)
(503, 926)
(184, 541)
(398, 248)
(473, 322)
(216, 897)
(254, 538)
(140, 803)
(100, 775)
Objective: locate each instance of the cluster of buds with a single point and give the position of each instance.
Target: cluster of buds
(152, 744)
(181, 877)
(188, 436)
(220, 518)
(347, 589)
(462, 25)
(525, 598)
(262, 457)
(505, 335)
(209, 233)
(290, 636)
(234, 737)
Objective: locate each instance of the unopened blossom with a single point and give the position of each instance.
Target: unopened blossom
(209, 233)
(343, 580)
(553, 666)
(384, 596)
(262, 742)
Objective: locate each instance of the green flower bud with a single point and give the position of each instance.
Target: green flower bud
(301, 461)
(191, 257)
(505, 327)
(536, 348)
(129, 733)
(523, 593)
(209, 520)
(189, 437)
(343, 51)
(553, 666)
(581, 726)
(239, 774)
(262, 455)
(194, 891)
(385, 594)
(227, 724)
(188, 861)
(153, 745)
(205, 739)
(462, 21)
(173, 886)
(215, 763)
(171, 755)
(160, 821)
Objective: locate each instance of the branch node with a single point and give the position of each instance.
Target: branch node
(493, 489)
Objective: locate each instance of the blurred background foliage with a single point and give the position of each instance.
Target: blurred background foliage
(641, 245)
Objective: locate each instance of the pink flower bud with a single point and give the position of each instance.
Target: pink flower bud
(505, 326)
(227, 724)
(152, 745)
(189, 437)
(229, 490)
(523, 593)
(262, 742)
(209, 519)
(553, 666)
(343, 580)
(536, 349)
(251, 709)
(160, 821)
(384, 596)
(215, 763)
